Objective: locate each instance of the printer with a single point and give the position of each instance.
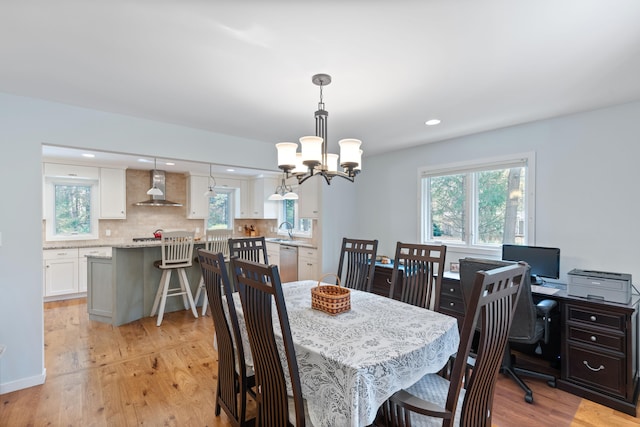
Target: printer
(612, 287)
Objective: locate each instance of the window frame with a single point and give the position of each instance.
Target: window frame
(231, 206)
(50, 208)
(526, 159)
(296, 232)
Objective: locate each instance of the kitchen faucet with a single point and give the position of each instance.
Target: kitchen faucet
(289, 228)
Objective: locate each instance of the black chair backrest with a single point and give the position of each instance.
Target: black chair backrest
(232, 384)
(421, 279)
(259, 285)
(492, 303)
(524, 327)
(249, 248)
(357, 259)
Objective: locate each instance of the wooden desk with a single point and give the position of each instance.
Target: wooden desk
(598, 344)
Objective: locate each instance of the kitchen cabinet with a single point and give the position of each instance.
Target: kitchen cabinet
(308, 264)
(103, 251)
(100, 293)
(113, 193)
(197, 202)
(273, 253)
(65, 271)
(308, 198)
(60, 272)
(254, 200)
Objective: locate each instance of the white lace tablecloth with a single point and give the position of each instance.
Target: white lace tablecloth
(351, 363)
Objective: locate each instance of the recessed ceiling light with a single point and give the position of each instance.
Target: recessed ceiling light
(170, 164)
(88, 155)
(231, 170)
(432, 122)
(144, 161)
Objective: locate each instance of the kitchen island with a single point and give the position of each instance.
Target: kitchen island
(122, 288)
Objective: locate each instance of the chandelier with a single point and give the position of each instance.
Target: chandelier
(314, 158)
(283, 192)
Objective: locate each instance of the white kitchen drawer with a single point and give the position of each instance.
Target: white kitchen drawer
(96, 251)
(51, 254)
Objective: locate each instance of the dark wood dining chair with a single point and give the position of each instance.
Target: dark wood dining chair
(421, 279)
(357, 263)
(434, 399)
(259, 286)
(235, 379)
(249, 248)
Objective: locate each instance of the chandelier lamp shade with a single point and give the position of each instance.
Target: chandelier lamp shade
(211, 192)
(313, 157)
(283, 192)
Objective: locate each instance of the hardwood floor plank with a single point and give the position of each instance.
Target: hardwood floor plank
(140, 374)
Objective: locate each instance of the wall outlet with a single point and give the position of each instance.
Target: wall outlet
(197, 229)
(107, 232)
(239, 228)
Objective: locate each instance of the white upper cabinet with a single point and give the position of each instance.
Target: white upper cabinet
(308, 198)
(197, 202)
(255, 200)
(113, 193)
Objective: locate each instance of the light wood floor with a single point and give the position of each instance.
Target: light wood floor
(140, 374)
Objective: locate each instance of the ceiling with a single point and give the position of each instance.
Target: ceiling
(244, 68)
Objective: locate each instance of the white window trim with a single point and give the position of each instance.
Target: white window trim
(50, 209)
(476, 165)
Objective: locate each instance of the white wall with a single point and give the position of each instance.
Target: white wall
(25, 124)
(587, 194)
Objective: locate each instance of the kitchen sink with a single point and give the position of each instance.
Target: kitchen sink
(272, 239)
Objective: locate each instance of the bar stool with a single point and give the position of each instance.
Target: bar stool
(216, 241)
(177, 254)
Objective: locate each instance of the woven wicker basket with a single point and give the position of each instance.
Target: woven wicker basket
(332, 299)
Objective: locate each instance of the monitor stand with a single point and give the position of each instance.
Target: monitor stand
(536, 280)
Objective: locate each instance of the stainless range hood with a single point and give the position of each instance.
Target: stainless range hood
(158, 180)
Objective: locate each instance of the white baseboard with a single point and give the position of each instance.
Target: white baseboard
(23, 383)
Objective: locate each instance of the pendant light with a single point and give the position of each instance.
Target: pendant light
(154, 191)
(283, 192)
(211, 192)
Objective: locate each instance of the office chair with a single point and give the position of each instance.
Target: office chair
(530, 324)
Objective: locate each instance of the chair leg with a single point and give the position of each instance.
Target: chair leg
(508, 369)
(163, 299)
(156, 301)
(202, 290)
(186, 297)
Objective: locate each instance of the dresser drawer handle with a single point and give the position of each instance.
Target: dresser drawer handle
(593, 318)
(593, 369)
(593, 338)
(452, 290)
(451, 304)
(389, 281)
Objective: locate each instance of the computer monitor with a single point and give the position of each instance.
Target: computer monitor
(544, 262)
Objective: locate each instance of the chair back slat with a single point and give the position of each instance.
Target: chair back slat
(177, 249)
(259, 287)
(250, 248)
(421, 279)
(233, 383)
(218, 241)
(357, 263)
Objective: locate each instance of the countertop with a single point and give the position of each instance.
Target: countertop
(129, 243)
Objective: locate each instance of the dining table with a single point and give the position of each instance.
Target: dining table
(350, 363)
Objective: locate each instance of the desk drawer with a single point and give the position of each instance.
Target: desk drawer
(595, 317)
(451, 305)
(451, 289)
(601, 371)
(597, 339)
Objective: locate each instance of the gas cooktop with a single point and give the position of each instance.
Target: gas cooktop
(145, 239)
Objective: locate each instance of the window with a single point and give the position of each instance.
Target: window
(71, 209)
(289, 213)
(483, 205)
(220, 210)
